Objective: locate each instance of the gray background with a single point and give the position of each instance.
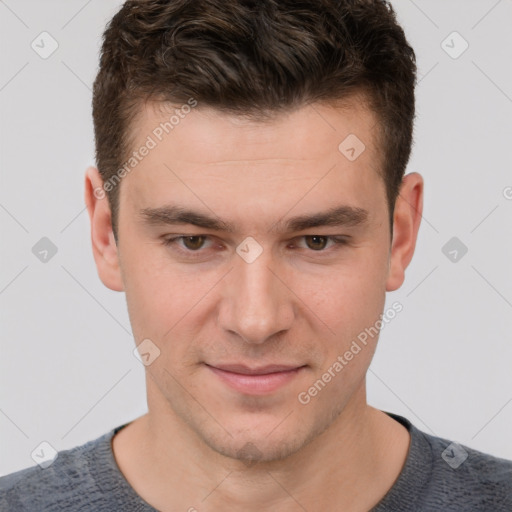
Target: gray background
(67, 371)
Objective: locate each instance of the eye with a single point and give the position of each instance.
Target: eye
(193, 243)
(316, 242)
(319, 243)
(188, 242)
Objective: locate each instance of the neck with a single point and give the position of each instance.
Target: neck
(352, 464)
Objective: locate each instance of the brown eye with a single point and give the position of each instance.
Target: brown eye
(193, 243)
(315, 242)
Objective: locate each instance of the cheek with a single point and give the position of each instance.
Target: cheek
(160, 296)
(350, 305)
(348, 298)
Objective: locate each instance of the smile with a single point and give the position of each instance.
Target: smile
(256, 381)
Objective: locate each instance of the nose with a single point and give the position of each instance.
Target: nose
(256, 305)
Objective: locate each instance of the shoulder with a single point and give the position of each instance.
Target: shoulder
(464, 473)
(440, 474)
(68, 483)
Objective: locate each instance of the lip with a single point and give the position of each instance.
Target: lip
(262, 380)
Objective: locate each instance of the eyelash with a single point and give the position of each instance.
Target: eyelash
(336, 241)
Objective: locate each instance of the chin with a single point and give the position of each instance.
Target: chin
(271, 443)
(252, 451)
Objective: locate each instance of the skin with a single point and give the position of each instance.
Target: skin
(204, 444)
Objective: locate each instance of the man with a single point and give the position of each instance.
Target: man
(250, 200)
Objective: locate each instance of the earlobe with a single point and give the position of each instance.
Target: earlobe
(406, 223)
(104, 245)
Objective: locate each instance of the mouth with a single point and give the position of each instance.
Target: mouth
(261, 380)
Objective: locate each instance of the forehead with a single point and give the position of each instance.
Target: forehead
(201, 152)
(304, 133)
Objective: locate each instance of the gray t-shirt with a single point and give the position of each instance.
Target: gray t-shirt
(437, 476)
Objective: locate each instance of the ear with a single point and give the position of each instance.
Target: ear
(104, 246)
(406, 223)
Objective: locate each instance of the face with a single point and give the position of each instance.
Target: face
(253, 255)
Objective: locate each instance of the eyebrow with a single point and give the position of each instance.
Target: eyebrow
(341, 216)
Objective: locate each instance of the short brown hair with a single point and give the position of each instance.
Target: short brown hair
(254, 58)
